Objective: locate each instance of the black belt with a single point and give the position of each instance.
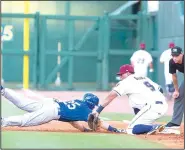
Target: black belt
(158, 102)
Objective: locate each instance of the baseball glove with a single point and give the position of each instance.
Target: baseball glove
(94, 122)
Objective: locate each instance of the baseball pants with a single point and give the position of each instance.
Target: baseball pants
(148, 114)
(178, 108)
(39, 112)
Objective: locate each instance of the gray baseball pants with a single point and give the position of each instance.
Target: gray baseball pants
(39, 112)
(178, 108)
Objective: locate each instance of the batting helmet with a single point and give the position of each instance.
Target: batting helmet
(91, 100)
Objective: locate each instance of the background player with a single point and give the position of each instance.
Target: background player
(41, 112)
(140, 60)
(144, 95)
(165, 58)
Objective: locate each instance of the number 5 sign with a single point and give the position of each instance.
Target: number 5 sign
(6, 32)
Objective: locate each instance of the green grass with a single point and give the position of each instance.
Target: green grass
(72, 140)
(24, 139)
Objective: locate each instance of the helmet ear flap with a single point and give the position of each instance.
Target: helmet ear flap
(91, 100)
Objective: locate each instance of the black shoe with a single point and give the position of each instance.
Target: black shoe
(2, 90)
(172, 125)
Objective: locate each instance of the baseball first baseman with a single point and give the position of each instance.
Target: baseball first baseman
(40, 112)
(140, 60)
(165, 58)
(145, 97)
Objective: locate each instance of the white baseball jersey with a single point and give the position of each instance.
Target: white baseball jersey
(140, 90)
(141, 60)
(165, 58)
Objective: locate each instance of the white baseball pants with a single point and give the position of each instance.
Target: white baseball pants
(148, 115)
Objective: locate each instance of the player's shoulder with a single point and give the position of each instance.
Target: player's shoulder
(167, 52)
(147, 53)
(78, 101)
(150, 80)
(137, 54)
(129, 80)
(138, 51)
(171, 62)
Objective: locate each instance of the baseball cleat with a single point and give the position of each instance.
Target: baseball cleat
(156, 128)
(121, 131)
(2, 89)
(2, 125)
(172, 126)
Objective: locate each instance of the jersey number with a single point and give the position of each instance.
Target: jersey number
(72, 104)
(140, 61)
(147, 84)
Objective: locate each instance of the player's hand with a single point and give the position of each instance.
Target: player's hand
(93, 121)
(95, 113)
(176, 94)
(151, 70)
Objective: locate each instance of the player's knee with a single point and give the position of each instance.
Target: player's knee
(141, 129)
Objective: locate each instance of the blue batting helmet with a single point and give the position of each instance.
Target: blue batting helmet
(91, 100)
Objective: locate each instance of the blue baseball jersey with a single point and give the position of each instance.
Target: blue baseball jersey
(75, 110)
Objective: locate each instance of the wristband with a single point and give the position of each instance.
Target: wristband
(100, 108)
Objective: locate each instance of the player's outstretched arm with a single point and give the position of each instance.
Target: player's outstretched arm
(112, 95)
(104, 125)
(79, 126)
(93, 119)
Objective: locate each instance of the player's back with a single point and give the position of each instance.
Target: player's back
(141, 57)
(75, 110)
(143, 90)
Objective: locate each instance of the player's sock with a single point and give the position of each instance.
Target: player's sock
(141, 129)
(112, 129)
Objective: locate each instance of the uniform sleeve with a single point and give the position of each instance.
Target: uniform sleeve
(162, 58)
(172, 68)
(120, 88)
(149, 58)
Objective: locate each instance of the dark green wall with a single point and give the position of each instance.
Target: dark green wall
(84, 68)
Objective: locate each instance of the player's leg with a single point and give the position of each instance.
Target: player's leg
(178, 109)
(21, 101)
(143, 121)
(169, 86)
(47, 113)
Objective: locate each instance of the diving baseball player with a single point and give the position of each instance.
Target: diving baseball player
(165, 58)
(144, 95)
(140, 60)
(40, 112)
